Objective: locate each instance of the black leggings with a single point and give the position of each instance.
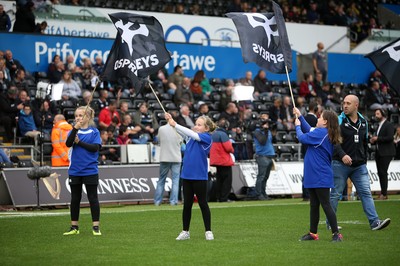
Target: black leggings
(198, 187)
(320, 196)
(76, 195)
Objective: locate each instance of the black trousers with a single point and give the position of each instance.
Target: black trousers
(76, 196)
(224, 182)
(8, 124)
(320, 196)
(382, 164)
(190, 188)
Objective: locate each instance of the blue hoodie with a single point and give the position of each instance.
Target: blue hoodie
(26, 123)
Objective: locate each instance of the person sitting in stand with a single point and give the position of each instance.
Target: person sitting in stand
(71, 90)
(27, 125)
(107, 114)
(44, 118)
(123, 136)
(146, 120)
(108, 153)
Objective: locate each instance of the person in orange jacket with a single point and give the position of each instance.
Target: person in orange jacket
(59, 134)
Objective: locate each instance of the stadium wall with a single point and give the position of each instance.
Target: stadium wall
(137, 183)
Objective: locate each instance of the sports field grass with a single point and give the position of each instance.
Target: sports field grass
(246, 233)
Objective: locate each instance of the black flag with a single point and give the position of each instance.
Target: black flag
(264, 39)
(138, 50)
(387, 61)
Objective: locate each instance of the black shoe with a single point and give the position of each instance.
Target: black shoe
(337, 237)
(309, 236)
(380, 224)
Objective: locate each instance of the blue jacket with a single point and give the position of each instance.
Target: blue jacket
(26, 123)
(263, 143)
(317, 161)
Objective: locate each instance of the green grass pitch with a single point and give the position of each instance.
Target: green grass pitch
(246, 233)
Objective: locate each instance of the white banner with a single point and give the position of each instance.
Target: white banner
(286, 179)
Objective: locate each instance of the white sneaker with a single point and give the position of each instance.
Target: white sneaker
(184, 235)
(209, 235)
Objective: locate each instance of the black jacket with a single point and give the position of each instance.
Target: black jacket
(355, 140)
(385, 140)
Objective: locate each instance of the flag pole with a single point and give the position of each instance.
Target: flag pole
(158, 100)
(290, 85)
(91, 96)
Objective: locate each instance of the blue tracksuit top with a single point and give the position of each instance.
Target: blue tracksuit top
(317, 162)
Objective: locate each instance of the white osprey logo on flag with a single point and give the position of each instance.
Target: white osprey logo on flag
(393, 53)
(266, 24)
(128, 34)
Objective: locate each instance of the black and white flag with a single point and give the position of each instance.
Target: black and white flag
(264, 39)
(138, 50)
(387, 61)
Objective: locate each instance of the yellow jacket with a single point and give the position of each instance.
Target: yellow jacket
(59, 134)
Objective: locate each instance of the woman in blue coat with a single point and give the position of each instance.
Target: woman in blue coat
(318, 174)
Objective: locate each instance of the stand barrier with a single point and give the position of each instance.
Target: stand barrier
(136, 183)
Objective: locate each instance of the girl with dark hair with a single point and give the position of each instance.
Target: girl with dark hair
(318, 174)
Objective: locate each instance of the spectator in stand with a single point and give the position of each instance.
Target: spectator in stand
(59, 134)
(195, 10)
(10, 107)
(184, 118)
(71, 90)
(123, 109)
(25, 19)
(204, 83)
(146, 120)
(340, 18)
(12, 64)
(56, 75)
(88, 73)
(300, 101)
(385, 150)
(231, 114)
(248, 79)
(160, 79)
(396, 139)
(5, 22)
(195, 87)
(6, 72)
(320, 58)
(98, 65)
(374, 98)
(101, 102)
(19, 80)
(288, 122)
(177, 77)
(44, 119)
(26, 124)
(4, 83)
(327, 98)
(203, 109)
(133, 130)
(277, 114)
(307, 89)
(76, 71)
(23, 97)
(123, 137)
(183, 94)
(108, 153)
(261, 85)
(226, 96)
(220, 157)
(41, 27)
(108, 116)
(235, 6)
(313, 16)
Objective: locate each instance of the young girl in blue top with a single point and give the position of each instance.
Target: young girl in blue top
(318, 174)
(195, 171)
(85, 142)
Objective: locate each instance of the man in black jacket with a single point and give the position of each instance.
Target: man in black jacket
(385, 150)
(350, 159)
(9, 109)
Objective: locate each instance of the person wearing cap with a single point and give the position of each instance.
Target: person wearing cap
(9, 109)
